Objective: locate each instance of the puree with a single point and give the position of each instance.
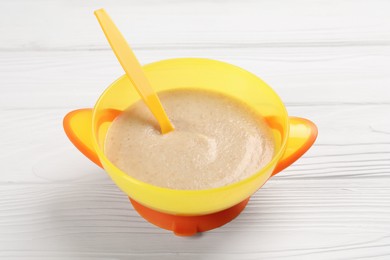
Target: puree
(217, 141)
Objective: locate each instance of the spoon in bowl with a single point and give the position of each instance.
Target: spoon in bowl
(133, 70)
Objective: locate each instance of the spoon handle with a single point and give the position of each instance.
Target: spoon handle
(133, 69)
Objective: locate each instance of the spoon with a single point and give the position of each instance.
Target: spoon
(133, 69)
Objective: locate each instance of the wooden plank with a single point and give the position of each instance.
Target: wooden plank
(353, 142)
(351, 75)
(44, 24)
(298, 219)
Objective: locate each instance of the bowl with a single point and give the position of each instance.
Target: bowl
(87, 129)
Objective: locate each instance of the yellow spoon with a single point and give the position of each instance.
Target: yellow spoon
(133, 69)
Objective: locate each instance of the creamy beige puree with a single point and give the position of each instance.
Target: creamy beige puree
(217, 141)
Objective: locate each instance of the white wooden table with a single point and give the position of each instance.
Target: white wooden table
(328, 60)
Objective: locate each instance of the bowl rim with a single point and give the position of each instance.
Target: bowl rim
(122, 175)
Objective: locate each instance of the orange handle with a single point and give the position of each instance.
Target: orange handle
(78, 128)
(302, 135)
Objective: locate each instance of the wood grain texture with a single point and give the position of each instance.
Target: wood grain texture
(353, 142)
(328, 60)
(153, 24)
(293, 219)
(323, 76)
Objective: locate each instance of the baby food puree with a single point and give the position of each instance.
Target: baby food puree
(217, 140)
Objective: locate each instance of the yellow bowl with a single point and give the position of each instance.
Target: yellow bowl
(293, 136)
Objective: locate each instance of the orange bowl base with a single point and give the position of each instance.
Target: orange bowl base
(189, 225)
